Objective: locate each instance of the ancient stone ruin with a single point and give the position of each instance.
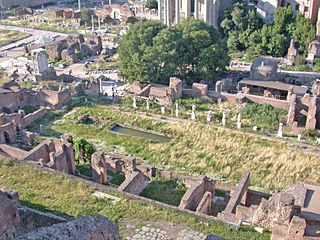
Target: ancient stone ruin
(19, 222)
(161, 94)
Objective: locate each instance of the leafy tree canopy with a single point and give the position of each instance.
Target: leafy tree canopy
(245, 31)
(192, 50)
(152, 4)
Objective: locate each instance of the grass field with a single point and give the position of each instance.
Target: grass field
(8, 36)
(197, 149)
(264, 116)
(169, 191)
(57, 195)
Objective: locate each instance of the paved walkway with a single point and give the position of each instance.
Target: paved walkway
(34, 32)
(152, 233)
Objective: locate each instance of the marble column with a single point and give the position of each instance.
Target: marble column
(196, 9)
(177, 12)
(160, 10)
(187, 7)
(165, 6)
(211, 12)
(206, 11)
(169, 13)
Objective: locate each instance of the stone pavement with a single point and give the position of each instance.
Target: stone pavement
(152, 233)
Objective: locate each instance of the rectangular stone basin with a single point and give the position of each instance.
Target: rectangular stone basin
(139, 133)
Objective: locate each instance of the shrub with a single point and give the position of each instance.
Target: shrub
(311, 134)
(83, 150)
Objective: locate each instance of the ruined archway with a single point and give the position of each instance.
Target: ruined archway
(6, 137)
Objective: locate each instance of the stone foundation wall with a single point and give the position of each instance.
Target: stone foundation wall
(8, 217)
(195, 193)
(31, 219)
(239, 194)
(205, 205)
(134, 183)
(83, 228)
(13, 152)
(32, 117)
(40, 152)
(255, 198)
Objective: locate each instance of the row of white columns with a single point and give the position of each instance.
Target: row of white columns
(165, 10)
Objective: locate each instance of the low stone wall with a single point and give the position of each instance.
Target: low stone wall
(40, 152)
(238, 195)
(195, 193)
(13, 152)
(255, 198)
(205, 205)
(83, 228)
(134, 183)
(31, 219)
(30, 118)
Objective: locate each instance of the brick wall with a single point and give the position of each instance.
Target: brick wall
(238, 194)
(205, 205)
(195, 193)
(41, 151)
(30, 118)
(13, 152)
(134, 183)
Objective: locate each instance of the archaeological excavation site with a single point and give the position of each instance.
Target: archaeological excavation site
(159, 120)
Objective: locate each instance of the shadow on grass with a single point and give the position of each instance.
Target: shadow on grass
(43, 209)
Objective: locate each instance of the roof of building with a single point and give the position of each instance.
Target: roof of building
(301, 90)
(4, 91)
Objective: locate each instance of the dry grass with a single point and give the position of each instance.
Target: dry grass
(55, 194)
(199, 149)
(8, 36)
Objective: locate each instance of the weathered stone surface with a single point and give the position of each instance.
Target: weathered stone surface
(134, 183)
(278, 208)
(264, 69)
(99, 168)
(8, 216)
(214, 237)
(31, 219)
(11, 194)
(69, 56)
(83, 228)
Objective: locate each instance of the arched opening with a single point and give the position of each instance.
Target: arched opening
(6, 137)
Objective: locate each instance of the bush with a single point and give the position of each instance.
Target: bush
(311, 134)
(152, 4)
(83, 150)
(263, 115)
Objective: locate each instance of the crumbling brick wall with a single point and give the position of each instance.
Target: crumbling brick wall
(8, 216)
(195, 194)
(99, 168)
(134, 183)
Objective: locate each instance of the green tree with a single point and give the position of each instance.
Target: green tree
(83, 150)
(86, 15)
(134, 51)
(150, 52)
(239, 22)
(152, 4)
(282, 20)
(302, 33)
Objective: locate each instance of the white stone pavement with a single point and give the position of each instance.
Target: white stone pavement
(152, 233)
